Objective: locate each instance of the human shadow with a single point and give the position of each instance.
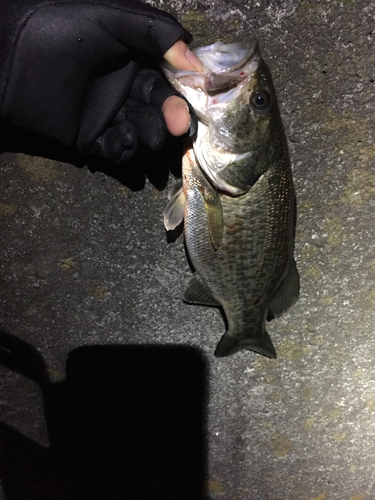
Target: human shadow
(128, 423)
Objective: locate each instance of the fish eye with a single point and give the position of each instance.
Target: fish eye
(260, 100)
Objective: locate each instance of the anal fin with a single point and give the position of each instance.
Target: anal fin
(198, 292)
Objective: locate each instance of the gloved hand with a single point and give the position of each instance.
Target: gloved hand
(77, 71)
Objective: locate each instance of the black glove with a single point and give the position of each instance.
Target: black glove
(76, 71)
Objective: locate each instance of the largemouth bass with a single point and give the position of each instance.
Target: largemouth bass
(237, 196)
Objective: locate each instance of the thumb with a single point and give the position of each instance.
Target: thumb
(181, 57)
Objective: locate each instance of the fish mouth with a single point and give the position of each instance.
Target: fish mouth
(221, 81)
(225, 66)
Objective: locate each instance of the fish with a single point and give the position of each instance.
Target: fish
(237, 197)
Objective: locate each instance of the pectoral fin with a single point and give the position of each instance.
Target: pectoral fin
(175, 209)
(198, 292)
(215, 216)
(286, 294)
(175, 190)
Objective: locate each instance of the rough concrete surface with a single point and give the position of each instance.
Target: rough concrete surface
(109, 387)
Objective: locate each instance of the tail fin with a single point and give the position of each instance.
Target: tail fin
(230, 344)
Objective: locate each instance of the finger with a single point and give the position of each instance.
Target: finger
(181, 57)
(149, 123)
(118, 143)
(176, 115)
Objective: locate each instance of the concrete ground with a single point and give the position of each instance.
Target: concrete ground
(109, 387)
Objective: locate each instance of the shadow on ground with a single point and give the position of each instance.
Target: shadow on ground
(128, 423)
